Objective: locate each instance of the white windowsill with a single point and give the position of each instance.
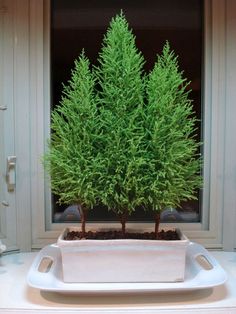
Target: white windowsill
(17, 297)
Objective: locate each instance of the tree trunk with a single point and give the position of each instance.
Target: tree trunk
(123, 219)
(83, 218)
(157, 223)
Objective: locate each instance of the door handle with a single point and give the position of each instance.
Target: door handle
(2, 247)
(11, 173)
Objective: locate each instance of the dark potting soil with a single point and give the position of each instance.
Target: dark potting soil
(116, 234)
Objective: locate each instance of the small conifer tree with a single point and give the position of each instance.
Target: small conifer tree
(120, 138)
(171, 149)
(119, 74)
(73, 160)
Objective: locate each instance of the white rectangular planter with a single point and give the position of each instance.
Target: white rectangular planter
(123, 260)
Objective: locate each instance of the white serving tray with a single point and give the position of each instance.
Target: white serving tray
(196, 276)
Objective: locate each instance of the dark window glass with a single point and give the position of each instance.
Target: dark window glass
(77, 24)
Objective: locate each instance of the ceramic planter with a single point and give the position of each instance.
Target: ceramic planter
(122, 260)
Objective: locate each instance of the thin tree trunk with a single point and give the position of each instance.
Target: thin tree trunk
(123, 219)
(83, 218)
(157, 223)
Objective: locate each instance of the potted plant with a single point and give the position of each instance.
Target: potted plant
(124, 139)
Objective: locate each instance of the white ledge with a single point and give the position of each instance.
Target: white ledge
(17, 297)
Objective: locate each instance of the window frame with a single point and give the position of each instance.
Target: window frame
(216, 113)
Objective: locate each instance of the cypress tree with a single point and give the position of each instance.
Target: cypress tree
(172, 151)
(121, 87)
(120, 138)
(73, 160)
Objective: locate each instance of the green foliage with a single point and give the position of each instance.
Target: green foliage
(74, 160)
(171, 150)
(121, 99)
(120, 137)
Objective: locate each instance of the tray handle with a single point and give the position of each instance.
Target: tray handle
(204, 261)
(45, 264)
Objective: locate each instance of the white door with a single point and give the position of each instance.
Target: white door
(15, 172)
(8, 161)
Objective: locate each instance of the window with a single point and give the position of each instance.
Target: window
(79, 24)
(219, 197)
